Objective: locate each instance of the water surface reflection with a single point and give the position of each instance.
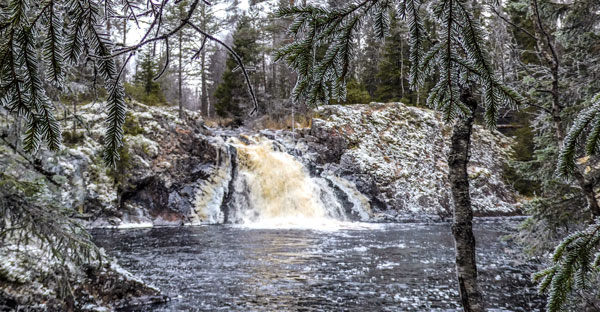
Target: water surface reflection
(394, 267)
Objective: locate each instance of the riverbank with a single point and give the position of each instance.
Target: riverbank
(383, 267)
(378, 162)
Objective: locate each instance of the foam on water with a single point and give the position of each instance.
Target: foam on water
(270, 189)
(321, 224)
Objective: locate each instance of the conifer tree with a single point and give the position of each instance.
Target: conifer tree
(458, 57)
(72, 33)
(393, 69)
(557, 50)
(370, 58)
(230, 95)
(211, 23)
(144, 78)
(186, 45)
(57, 36)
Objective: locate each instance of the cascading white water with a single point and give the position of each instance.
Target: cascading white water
(266, 187)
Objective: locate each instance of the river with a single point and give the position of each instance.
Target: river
(353, 267)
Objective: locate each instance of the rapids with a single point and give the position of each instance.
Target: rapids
(265, 187)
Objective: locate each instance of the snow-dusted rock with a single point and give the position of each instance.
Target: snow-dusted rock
(396, 154)
(29, 282)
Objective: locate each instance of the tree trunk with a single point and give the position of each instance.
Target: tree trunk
(204, 90)
(74, 118)
(402, 68)
(462, 226)
(180, 73)
(274, 90)
(264, 72)
(124, 45)
(204, 96)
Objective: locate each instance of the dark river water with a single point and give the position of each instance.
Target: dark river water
(390, 267)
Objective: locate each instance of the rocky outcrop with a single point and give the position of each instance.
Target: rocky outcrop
(164, 161)
(32, 280)
(396, 155)
(392, 153)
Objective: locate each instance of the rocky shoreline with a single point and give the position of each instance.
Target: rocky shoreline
(31, 279)
(170, 167)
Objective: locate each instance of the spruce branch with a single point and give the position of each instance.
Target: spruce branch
(53, 48)
(457, 55)
(29, 216)
(574, 260)
(80, 41)
(321, 78)
(589, 117)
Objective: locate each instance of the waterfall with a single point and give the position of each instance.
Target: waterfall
(259, 184)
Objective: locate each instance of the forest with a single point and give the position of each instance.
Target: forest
(299, 155)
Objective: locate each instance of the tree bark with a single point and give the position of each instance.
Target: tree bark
(124, 45)
(74, 117)
(402, 67)
(204, 96)
(204, 90)
(462, 226)
(180, 74)
(264, 72)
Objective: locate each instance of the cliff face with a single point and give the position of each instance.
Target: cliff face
(164, 162)
(396, 155)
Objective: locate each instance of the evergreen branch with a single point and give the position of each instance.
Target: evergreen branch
(45, 126)
(18, 13)
(566, 160)
(72, 29)
(417, 31)
(53, 49)
(41, 12)
(29, 216)
(74, 44)
(116, 111)
(448, 55)
(325, 76)
(381, 22)
(572, 264)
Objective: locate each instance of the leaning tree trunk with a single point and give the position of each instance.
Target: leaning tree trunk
(462, 227)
